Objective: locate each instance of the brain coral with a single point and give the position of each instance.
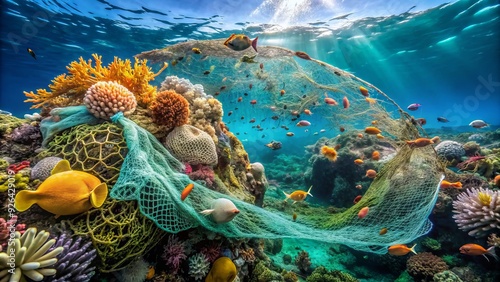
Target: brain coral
(450, 150)
(191, 145)
(106, 98)
(423, 266)
(43, 168)
(477, 211)
(170, 109)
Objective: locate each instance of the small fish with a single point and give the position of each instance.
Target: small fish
(282, 92)
(446, 184)
(275, 117)
(240, 42)
(380, 136)
(371, 173)
(290, 134)
(496, 181)
(32, 53)
(363, 212)
(414, 107)
(419, 142)
(294, 216)
(372, 130)
(358, 161)
(307, 112)
(216, 93)
(331, 101)
(240, 99)
(364, 91)
(370, 101)
(180, 58)
(252, 120)
(359, 186)
(303, 123)
(151, 272)
(223, 87)
(357, 199)
(253, 102)
(401, 250)
(294, 113)
(382, 231)
(298, 195)
(196, 50)
(284, 107)
(345, 102)
(224, 79)
(374, 122)
(207, 72)
(302, 55)
(442, 119)
(478, 124)
(284, 127)
(242, 117)
(186, 191)
(315, 133)
(273, 145)
(376, 155)
(261, 66)
(342, 129)
(222, 211)
(420, 121)
(477, 250)
(249, 86)
(322, 130)
(230, 113)
(360, 135)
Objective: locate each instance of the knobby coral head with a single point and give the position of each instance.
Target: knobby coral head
(106, 98)
(170, 109)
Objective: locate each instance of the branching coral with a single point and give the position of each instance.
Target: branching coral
(31, 258)
(198, 266)
(424, 265)
(69, 89)
(106, 98)
(477, 211)
(302, 261)
(174, 253)
(170, 109)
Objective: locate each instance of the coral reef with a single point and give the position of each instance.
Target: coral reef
(211, 250)
(431, 244)
(7, 227)
(18, 139)
(174, 253)
(26, 134)
(170, 109)
(74, 263)
(423, 266)
(32, 259)
(494, 240)
(262, 272)
(21, 181)
(321, 274)
(8, 123)
(446, 276)
(477, 211)
(189, 144)
(303, 262)
(198, 266)
(258, 182)
(104, 99)
(203, 174)
(43, 168)
(471, 148)
(69, 90)
(450, 150)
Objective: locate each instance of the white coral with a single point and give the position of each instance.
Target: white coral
(477, 211)
(198, 266)
(26, 256)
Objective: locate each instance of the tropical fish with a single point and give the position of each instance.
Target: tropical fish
(363, 212)
(223, 270)
(302, 55)
(186, 191)
(329, 152)
(445, 184)
(376, 155)
(298, 195)
(359, 186)
(240, 99)
(253, 102)
(380, 136)
(370, 101)
(358, 161)
(222, 211)
(442, 119)
(294, 216)
(382, 231)
(345, 102)
(357, 199)
(303, 123)
(360, 135)
(364, 91)
(261, 66)
(331, 101)
(420, 142)
(240, 42)
(307, 112)
(401, 250)
(372, 130)
(341, 129)
(274, 145)
(477, 250)
(421, 121)
(196, 50)
(496, 180)
(282, 92)
(478, 123)
(32, 53)
(414, 107)
(371, 173)
(151, 272)
(65, 192)
(290, 134)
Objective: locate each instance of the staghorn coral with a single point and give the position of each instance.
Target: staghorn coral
(74, 262)
(302, 261)
(31, 257)
(119, 233)
(69, 89)
(106, 98)
(424, 266)
(477, 211)
(198, 266)
(174, 253)
(43, 168)
(190, 144)
(170, 109)
(321, 274)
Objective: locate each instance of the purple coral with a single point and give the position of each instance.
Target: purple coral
(174, 253)
(212, 251)
(26, 134)
(7, 227)
(203, 173)
(74, 262)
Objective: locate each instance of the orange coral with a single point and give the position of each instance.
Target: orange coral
(69, 89)
(170, 109)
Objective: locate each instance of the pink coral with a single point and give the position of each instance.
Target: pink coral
(174, 253)
(187, 168)
(106, 98)
(5, 229)
(212, 251)
(204, 173)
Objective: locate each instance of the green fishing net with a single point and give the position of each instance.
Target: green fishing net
(400, 198)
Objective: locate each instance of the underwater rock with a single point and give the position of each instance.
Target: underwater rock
(450, 150)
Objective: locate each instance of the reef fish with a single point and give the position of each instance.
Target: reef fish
(477, 250)
(303, 123)
(223, 270)
(65, 192)
(442, 119)
(298, 195)
(445, 184)
(420, 142)
(240, 42)
(401, 250)
(222, 211)
(414, 107)
(371, 173)
(345, 102)
(32, 53)
(363, 212)
(478, 123)
(186, 191)
(372, 130)
(364, 91)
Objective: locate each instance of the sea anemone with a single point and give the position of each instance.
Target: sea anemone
(198, 266)
(329, 152)
(106, 98)
(170, 109)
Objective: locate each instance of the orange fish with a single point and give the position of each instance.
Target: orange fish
(420, 142)
(294, 217)
(358, 161)
(253, 102)
(375, 155)
(345, 102)
(307, 112)
(290, 134)
(357, 199)
(240, 99)
(360, 135)
(342, 129)
(359, 187)
(401, 250)
(151, 272)
(331, 101)
(364, 91)
(477, 250)
(374, 122)
(371, 173)
(186, 191)
(372, 130)
(371, 101)
(382, 231)
(446, 184)
(363, 212)
(298, 195)
(496, 180)
(380, 136)
(329, 153)
(282, 92)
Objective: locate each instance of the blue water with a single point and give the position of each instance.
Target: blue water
(445, 58)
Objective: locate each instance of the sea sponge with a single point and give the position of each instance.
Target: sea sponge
(106, 98)
(170, 109)
(189, 144)
(32, 259)
(424, 266)
(477, 211)
(321, 274)
(43, 168)
(450, 150)
(198, 266)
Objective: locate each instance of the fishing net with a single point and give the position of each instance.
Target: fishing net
(400, 198)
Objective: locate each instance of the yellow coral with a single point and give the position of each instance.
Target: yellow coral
(484, 198)
(69, 89)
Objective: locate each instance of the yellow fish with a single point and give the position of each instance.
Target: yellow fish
(298, 195)
(65, 192)
(240, 42)
(223, 270)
